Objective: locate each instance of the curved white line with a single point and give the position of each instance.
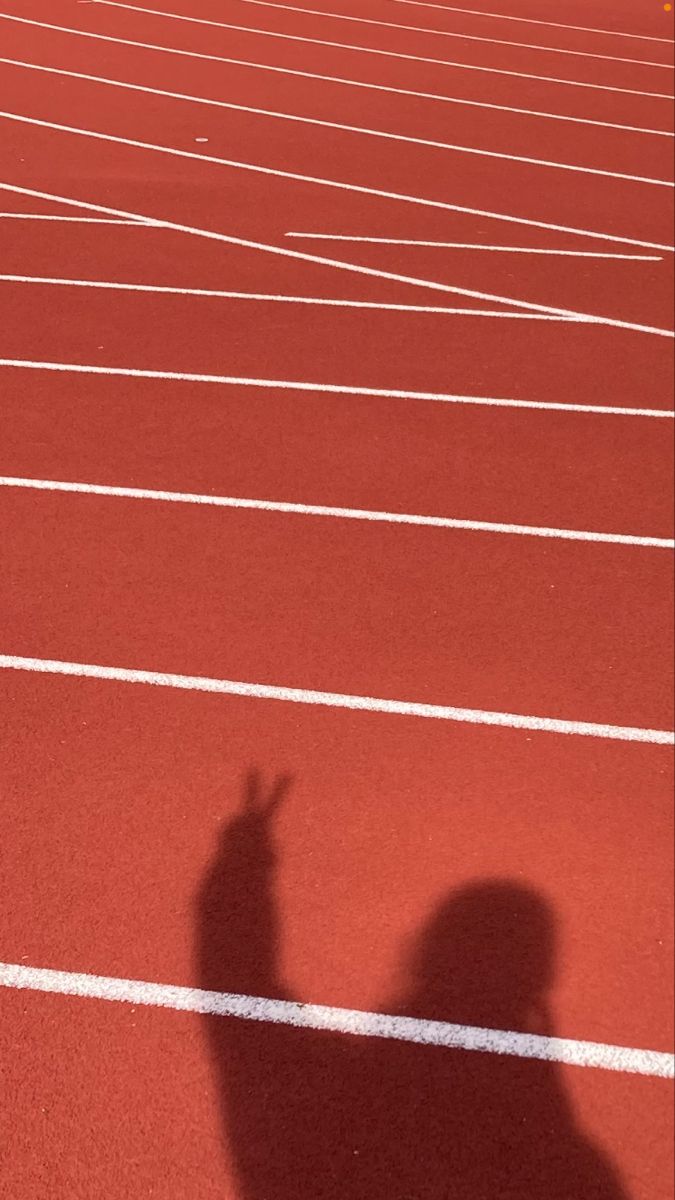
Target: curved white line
(640, 37)
(466, 37)
(376, 133)
(357, 83)
(438, 62)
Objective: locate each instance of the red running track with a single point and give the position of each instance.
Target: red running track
(433, 870)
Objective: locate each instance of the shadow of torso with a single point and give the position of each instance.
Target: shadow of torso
(315, 1115)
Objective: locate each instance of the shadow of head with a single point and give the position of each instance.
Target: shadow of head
(485, 956)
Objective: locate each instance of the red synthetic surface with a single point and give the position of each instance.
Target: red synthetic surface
(404, 847)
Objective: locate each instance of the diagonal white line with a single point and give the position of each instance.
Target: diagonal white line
(470, 293)
(320, 181)
(12, 216)
(330, 388)
(640, 37)
(465, 37)
(442, 1034)
(340, 513)
(106, 285)
(293, 695)
(356, 83)
(439, 62)
(453, 147)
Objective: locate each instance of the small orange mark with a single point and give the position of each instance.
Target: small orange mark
(668, 7)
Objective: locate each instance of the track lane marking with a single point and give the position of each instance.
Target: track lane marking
(330, 388)
(11, 216)
(438, 62)
(357, 83)
(332, 183)
(452, 147)
(640, 37)
(441, 1034)
(379, 241)
(152, 289)
(295, 695)
(466, 37)
(334, 511)
(339, 264)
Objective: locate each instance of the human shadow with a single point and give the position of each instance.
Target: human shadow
(318, 1115)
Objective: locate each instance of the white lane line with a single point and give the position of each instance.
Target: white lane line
(339, 1020)
(332, 183)
(294, 695)
(465, 37)
(452, 289)
(339, 700)
(356, 83)
(106, 285)
(453, 147)
(323, 510)
(438, 62)
(12, 216)
(474, 12)
(378, 241)
(335, 389)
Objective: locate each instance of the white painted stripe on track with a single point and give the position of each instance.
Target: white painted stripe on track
(441, 1034)
(438, 62)
(374, 305)
(379, 241)
(332, 183)
(452, 147)
(330, 388)
(294, 695)
(356, 83)
(451, 289)
(466, 37)
(474, 12)
(340, 513)
(11, 216)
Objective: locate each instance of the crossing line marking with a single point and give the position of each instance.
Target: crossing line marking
(156, 289)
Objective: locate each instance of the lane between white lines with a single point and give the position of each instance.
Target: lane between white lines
(371, 704)
(372, 305)
(272, 114)
(465, 37)
(356, 83)
(473, 12)
(339, 1020)
(438, 62)
(335, 389)
(380, 241)
(341, 513)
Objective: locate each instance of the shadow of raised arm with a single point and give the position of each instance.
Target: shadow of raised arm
(238, 918)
